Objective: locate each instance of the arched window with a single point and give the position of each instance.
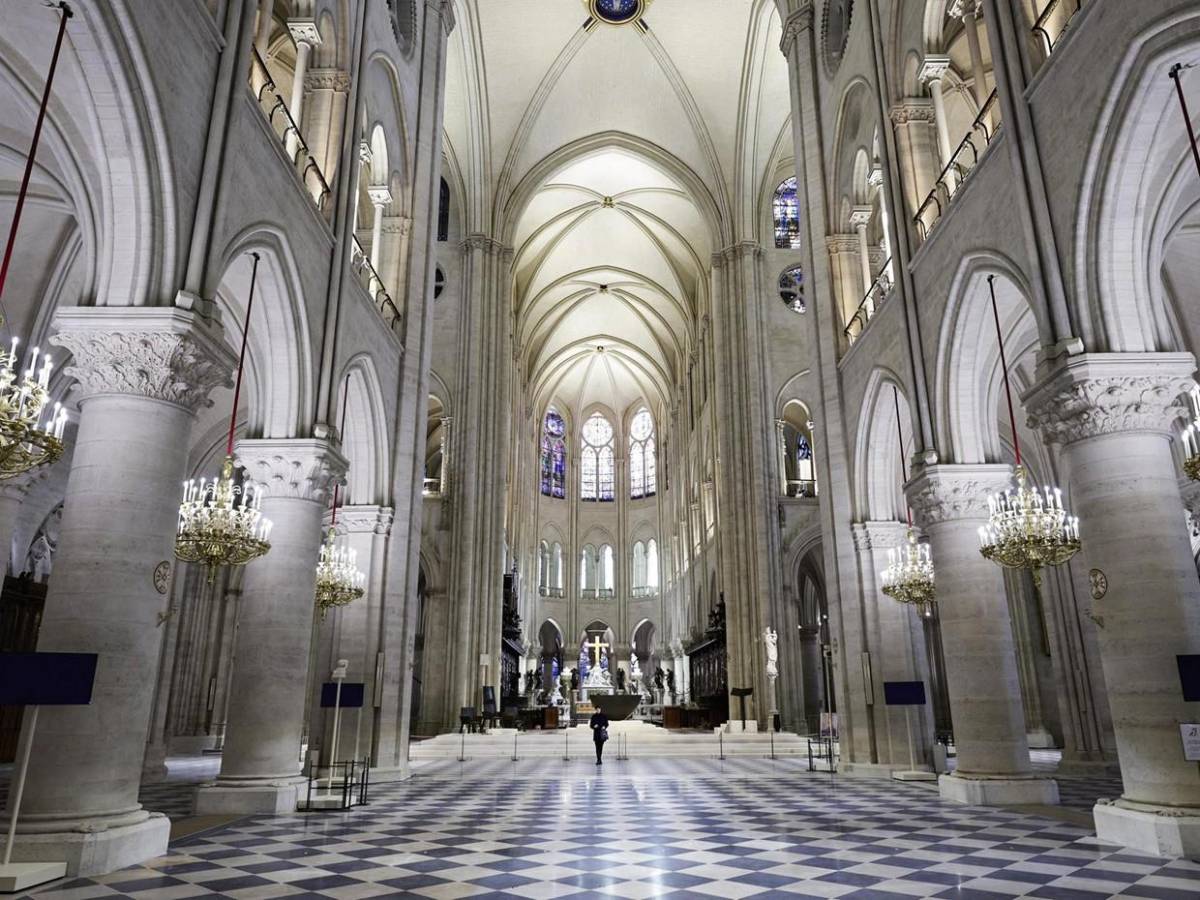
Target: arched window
(804, 458)
(791, 289)
(643, 473)
(543, 568)
(639, 567)
(554, 455)
(556, 568)
(786, 209)
(443, 225)
(606, 576)
(596, 465)
(652, 565)
(587, 568)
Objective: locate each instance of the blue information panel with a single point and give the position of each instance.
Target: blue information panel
(352, 694)
(47, 679)
(904, 693)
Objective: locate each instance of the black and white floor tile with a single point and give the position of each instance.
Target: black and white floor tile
(646, 828)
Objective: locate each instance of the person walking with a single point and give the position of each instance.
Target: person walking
(599, 725)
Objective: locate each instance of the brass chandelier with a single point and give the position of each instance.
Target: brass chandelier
(30, 435)
(221, 522)
(1029, 529)
(909, 576)
(339, 581)
(1191, 438)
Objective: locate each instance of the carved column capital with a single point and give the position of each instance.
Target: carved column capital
(933, 68)
(961, 9)
(320, 79)
(841, 243)
(292, 468)
(380, 194)
(304, 31)
(366, 519)
(878, 535)
(954, 493)
(162, 353)
(798, 21)
(912, 109)
(1110, 393)
(860, 217)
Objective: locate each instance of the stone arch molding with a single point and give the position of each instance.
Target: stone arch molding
(968, 366)
(365, 437)
(877, 467)
(1128, 178)
(280, 353)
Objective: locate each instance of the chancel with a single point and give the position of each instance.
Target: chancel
(781, 387)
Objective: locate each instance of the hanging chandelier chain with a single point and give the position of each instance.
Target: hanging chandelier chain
(37, 136)
(1012, 416)
(1174, 74)
(237, 389)
(900, 436)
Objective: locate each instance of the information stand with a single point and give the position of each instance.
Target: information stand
(908, 694)
(33, 680)
(338, 695)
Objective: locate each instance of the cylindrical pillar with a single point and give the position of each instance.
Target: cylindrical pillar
(969, 11)
(1113, 414)
(305, 34)
(260, 766)
(118, 527)
(981, 666)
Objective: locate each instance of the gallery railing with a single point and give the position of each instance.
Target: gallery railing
(880, 290)
(958, 169)
(373, 285)
(275, 108)
(1053, 22)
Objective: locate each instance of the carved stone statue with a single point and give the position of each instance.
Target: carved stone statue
(770, 642)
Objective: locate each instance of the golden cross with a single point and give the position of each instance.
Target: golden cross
(597, 645)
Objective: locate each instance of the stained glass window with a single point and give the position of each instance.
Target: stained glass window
(617, 11)
(791, 289)
(642, 466)
(554, 455)
(786, 209)
(596, 464)
(804, 458)
(652, 563)
(606, 575)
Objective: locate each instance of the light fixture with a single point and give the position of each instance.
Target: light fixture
(909, 576)
(29, 437)
(1029, 529)
(339, 581)
(220, 522)
(1191, 438)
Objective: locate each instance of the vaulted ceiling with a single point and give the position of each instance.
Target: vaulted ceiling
(614, 159)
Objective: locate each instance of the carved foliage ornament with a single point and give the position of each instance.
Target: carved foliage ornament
(953, 499)
(1078, 409)
(161, 365)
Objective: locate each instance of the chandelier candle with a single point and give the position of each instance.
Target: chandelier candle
(221, 523)
(339, 581)
(909, 576)
(1028, 529)
(30, 429)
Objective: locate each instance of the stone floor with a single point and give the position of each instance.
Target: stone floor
(642, 828)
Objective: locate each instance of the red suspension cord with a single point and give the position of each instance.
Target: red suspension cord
(1012, 417)
(37, 135)
(341, 434)
(900, 435)
(237, 390)
(1187, 119)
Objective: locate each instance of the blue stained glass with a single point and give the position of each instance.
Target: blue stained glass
(617, 11)
(803, 448)
(786, 209)
(554, 456)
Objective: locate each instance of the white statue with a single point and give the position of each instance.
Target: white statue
(771, 641)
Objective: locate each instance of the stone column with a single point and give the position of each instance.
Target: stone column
(12, 495)
(444, 473)
(380, 196)
(814, 687)
(981, 666)
(142, 372)
(893, 654)
(262, 39)
(860, 217)
(260, 767)
(781, 455)
(846, 271)
(1113, 414)
(916, 150)
(305, 34)
(970, 11)
(932, 71)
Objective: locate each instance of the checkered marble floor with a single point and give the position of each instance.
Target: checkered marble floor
(733, 829)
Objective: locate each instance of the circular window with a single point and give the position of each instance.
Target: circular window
(791, 289)
(617, 12)
(835, 31)
(439, 282)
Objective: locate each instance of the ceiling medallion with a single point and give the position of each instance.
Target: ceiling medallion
(617, 12)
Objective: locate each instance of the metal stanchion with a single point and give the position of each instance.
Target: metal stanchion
(514, 756)
(721, 742)
(566, 744)
(462, 753)
(772, 743)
